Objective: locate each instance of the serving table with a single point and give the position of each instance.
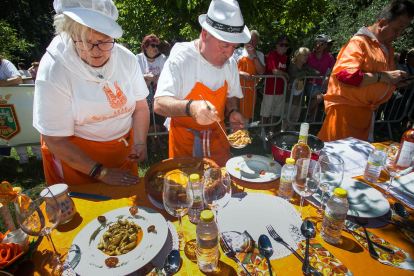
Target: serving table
(348, 251)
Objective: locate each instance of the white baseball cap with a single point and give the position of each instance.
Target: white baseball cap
(99, 15)
(225, 22)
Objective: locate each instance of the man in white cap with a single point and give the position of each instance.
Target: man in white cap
(204, 69)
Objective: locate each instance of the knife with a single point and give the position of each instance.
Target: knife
(93, 196)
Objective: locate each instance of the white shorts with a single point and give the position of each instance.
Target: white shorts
(272, 104)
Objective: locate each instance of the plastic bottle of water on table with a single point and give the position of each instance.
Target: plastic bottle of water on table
(374, 164)
(198, 202)
(287, 174)
(334, 217)
(207, 242)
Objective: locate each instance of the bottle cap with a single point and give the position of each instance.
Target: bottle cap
(339, 192)
(380, 147)
(194, 177)
(304, 128)
(207, 216)
(290, 161)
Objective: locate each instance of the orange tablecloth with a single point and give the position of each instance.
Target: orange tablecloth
(348, 251)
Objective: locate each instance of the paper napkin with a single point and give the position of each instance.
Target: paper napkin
(247, 252)
(400, 258)
(319, 257)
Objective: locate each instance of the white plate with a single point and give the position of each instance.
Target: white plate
(405, 184)
(364, 201)
(252, 212)
(248, 169)
(93, 260)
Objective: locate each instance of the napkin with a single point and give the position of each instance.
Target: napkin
(408, 226)
(319, 257)
(400, 258)
(247, 252)
(398, 194)
(354, 152)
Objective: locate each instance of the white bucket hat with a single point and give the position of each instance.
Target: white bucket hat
(225, 22)
(99, 15)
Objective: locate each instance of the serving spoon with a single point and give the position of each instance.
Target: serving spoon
(266, 249)
(308, 231)
(172, 262)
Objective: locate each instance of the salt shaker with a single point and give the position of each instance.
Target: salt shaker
(67, 206)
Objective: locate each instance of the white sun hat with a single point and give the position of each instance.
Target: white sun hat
(99, 15)
(225, 22)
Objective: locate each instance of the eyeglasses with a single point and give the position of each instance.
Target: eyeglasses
(284, 44)
(155, 46)
(87, 46)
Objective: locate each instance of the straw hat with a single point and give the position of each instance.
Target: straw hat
(99, 15)
(225, 22)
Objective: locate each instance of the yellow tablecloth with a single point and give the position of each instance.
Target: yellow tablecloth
(348, 251)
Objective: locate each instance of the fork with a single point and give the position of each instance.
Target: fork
(279, 239)
(229, 252)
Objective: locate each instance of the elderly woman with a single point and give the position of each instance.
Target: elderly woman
(89, 104)
(297, 69)
(152, 62)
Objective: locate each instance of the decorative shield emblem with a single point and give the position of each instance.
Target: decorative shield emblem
(9, 124)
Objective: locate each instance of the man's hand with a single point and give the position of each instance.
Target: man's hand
(251, 50)
(137, 154)
(325, 82)
(237, 121)
(204, 113)
(286, 76)
(246, 76)
(394, 77)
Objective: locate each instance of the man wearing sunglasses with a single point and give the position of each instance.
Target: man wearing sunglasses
(276, 64)
(365, 75)
(323, 62)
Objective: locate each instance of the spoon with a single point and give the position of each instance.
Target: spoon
(266, 249)
(400, 210)
(362, 222)
(308, 231)
(172, 262)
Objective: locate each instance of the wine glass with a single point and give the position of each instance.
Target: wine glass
(38, 213)
(217, 189)
(307, 179)
(399, 161)
(331, 175)
(178, 198)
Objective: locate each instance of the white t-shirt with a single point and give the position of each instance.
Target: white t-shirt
(8, 70)
(185, 66)
(69, 100)
(241, 52)
(154, 68)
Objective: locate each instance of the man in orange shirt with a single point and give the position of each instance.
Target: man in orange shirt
(364, 75)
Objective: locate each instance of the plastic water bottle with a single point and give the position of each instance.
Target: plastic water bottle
(207, 242)
(287, 175)
(198, 202)
(334, 217)
(374, 164)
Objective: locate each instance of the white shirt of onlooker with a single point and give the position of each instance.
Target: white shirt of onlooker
(8, 70)
(154, 67)
(25, 73)
(241, 52)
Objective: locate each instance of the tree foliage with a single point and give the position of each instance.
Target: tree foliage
(11, 46)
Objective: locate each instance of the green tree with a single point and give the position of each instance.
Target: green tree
(11, 46)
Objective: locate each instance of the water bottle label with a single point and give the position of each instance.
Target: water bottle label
(285, 180)
(375, 160)
(333, 216)
(207, 244)
(405, 156)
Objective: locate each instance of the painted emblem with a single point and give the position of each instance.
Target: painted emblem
(9, 123)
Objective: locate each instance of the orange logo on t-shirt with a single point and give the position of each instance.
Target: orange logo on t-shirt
(115, 100)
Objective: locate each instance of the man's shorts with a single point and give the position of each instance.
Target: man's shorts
(312, 88)
(272, 102)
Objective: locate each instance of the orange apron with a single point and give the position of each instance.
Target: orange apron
(111, 154)
(213, 141)
(245, 64)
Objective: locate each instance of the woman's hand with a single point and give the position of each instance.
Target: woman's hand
(118, 177)
(137, 154)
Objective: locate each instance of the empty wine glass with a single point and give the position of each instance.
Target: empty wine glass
(38, 213)
(307, 179)
(217, 189)
(177, 199)
(331, 175)
(399, 161)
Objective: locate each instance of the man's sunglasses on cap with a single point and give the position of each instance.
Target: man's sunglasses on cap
(154, 45)
(284, 44)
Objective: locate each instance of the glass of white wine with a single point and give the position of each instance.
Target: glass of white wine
(177, 199)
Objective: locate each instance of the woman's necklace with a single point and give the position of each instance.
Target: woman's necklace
(99, 76)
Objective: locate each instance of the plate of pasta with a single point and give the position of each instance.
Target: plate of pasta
(120, 241)
(254, 168)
